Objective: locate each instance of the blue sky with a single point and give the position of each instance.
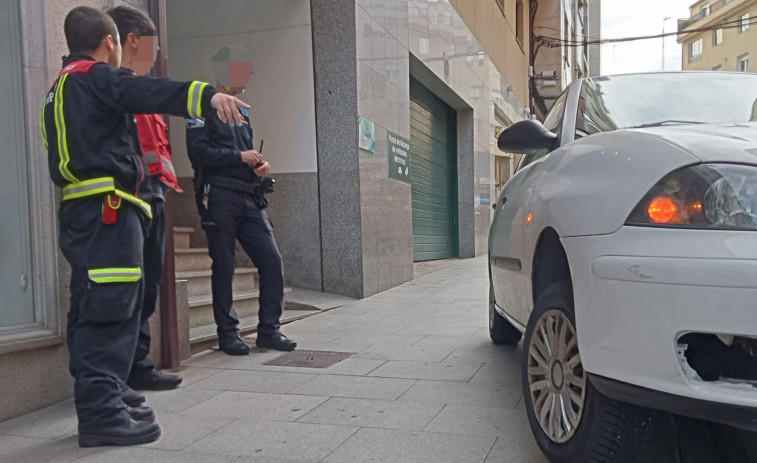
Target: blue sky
(638, 18)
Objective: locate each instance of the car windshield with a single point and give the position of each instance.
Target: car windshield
(646, 100)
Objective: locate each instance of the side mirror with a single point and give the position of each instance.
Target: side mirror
(525, 136)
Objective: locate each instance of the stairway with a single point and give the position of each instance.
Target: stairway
(194, 265)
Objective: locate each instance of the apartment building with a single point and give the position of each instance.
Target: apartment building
(719, 36)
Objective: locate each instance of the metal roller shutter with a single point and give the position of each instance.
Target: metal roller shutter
(433, 151)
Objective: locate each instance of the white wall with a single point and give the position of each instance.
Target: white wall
(281, 92)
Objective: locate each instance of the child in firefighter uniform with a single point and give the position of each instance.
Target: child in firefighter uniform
(94, 156)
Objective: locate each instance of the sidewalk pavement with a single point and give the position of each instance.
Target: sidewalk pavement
(425, 384)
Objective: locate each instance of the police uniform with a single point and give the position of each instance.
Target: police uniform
(94, 156)
(231, 210)
(156, 152)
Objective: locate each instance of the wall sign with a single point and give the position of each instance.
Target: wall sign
(367, 139)
(398, 153)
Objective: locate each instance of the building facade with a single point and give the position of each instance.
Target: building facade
(719, 36)
(379, 119)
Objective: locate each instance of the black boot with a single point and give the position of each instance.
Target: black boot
(143, 413)
(276, 341)
(131, 397)
(233, 346)
(153, 380)
(131, 433)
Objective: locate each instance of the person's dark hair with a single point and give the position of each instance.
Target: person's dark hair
(85, 29)
(131, 21)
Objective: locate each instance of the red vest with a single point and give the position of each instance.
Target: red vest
(153, 136)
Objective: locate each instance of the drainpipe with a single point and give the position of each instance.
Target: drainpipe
(169, 323)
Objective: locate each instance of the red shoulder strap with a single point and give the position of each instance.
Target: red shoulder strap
(77, 66)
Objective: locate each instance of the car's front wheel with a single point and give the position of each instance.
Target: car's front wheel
(571, 421)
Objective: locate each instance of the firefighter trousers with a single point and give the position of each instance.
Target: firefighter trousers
(106, 292)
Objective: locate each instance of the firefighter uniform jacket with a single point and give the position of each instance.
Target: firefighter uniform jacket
(153, 136)
(89, 129)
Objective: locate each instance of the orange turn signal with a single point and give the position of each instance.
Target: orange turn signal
(529, 219)
(662, 210)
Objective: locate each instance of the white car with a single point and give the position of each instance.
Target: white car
(624, 251)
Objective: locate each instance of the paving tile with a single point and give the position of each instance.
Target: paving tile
(427, 370)
(178, 400)
(453, 393)
(33, 450)
(359, 387)
(373, 413)
(409, 353)
(253, 381)
(507, 451)
(441, 330)
(144, 455)
(455, 342)
(275, 407)
(390, 339)
(218, 359)
(180, 431)
(478, 421)
(48, 423)
(264, 439)
(370, 445)
(191, 375)
(385, 327)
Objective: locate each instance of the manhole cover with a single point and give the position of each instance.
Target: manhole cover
(309, 359)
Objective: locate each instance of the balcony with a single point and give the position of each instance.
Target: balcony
(684, 24)
(695, 58)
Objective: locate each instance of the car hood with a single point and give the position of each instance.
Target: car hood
(736, 142)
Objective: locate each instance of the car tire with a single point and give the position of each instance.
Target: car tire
(501, 331)
(593, 428)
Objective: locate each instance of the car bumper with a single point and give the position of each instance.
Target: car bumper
(637, 291)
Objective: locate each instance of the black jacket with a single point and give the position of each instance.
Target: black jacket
(88, 123)
(216, 148)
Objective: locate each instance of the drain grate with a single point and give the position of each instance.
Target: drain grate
(309, 359)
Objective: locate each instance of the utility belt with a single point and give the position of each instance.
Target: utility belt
(112, 200)
(233, 184)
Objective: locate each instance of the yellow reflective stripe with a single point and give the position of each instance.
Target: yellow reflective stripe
(201, 92)
(42, 127)
(97, 186)
(89, 188)
(115, 275)
(137, 202)
(60, 126)
(190, 99)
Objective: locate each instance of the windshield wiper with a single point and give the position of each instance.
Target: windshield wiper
(664, 123)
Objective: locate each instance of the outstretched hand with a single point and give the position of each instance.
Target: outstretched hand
(228, 108)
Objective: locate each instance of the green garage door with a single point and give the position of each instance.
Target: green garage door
(433, 151)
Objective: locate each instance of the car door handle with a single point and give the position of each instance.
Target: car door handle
(504, 200)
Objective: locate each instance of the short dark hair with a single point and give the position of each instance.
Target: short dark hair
(86, 27)
(131, 21)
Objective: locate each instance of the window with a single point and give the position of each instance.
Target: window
(742, 63)
(744, 23)
(704, 10)
(717, 37)
(519, 21)
(695, 51)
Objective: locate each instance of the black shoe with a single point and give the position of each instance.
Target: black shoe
(131, 433)
(233, 346)
(143, 413)
(131, 397)
(276, 341)
(153, 380)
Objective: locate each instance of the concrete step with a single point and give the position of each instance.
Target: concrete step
(246, 304)
(181, 237)
(191, 260)
(245, 280)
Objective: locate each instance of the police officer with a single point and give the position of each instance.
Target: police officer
(139, 46)
(94, 155)
(231, 203)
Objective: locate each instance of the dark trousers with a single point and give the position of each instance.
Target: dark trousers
(233, 215)
(103, 320)
(153, 258)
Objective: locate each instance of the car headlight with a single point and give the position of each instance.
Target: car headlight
(710, 196)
